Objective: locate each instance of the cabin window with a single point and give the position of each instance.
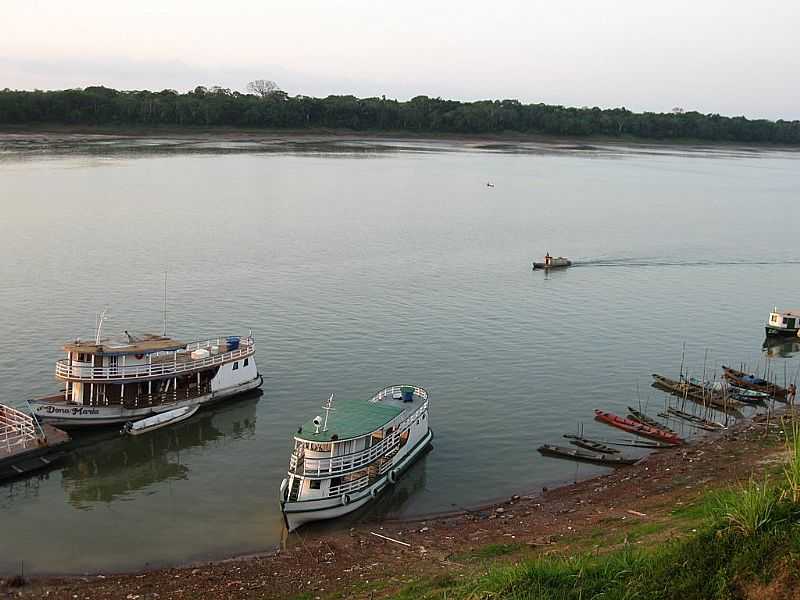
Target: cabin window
(236, 365)
(246, 362)
(315, 484)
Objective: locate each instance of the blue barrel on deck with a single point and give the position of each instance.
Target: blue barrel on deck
(233, 343)
(408, 393)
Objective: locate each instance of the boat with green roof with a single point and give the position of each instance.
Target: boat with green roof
(345, 459)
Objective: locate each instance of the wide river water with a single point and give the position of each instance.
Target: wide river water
(358, 265)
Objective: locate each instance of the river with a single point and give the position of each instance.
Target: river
(360, 264)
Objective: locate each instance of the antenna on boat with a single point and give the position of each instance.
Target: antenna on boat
(99, 324)
(327, 407)
(165, 304)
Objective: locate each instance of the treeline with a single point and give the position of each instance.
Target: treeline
(220, 107)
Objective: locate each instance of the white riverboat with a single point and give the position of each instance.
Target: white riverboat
(345, 459)
(110, 381)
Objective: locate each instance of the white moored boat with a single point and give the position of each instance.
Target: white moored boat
(160, 420)
(115, 381)
(345, 459)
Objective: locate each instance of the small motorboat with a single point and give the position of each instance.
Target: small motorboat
(160, 420)
(637, 428)
(585, 455)
(552, 262)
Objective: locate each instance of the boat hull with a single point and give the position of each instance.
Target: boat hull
(71, 416)
(564, 265)
(297, 514)
(781, 332)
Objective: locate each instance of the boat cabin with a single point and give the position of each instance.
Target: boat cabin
(353, 445)
(144, 370)
(786, 322)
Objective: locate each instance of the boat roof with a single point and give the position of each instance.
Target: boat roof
(787, 311)
(146, 343)
(350, 419)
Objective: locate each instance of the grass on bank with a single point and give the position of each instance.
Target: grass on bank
(747, 545)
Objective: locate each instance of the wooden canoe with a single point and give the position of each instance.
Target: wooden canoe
(695, 420)
(749, 381)
(697, 394)
(585, 455)
(592, 445)
(637, 428)
(637, 415)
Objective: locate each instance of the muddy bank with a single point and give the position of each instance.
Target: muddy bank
(359, 563)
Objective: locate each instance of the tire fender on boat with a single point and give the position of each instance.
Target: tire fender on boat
(345, 499)
(392, 477)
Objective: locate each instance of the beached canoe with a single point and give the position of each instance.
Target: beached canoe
(695, 393)
(637, 415)
(637, 428)
(749, 381)
(586, 456)
(588, 444)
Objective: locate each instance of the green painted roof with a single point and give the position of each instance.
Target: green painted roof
(350, 419)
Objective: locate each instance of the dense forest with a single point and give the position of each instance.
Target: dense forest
(268, 107)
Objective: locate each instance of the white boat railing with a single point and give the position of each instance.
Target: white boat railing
(156, 370)
(330, 466)
(349, 487)
(336, 465)
(399, 389)
(16, 429)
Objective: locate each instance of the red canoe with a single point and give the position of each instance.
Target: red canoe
(637, 428)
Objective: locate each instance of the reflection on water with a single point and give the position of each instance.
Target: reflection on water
(781, 347)
(107, 470)
(390, 504)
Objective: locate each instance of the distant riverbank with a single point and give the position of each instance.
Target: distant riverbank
(219, 107)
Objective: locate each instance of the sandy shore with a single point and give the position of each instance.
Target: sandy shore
(359, 564)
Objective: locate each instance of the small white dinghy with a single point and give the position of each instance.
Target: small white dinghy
(160, 420)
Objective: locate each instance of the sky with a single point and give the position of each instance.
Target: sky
(731, 57)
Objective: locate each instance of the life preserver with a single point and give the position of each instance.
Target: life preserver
(345, 499)
(139, 356)
(392, 476)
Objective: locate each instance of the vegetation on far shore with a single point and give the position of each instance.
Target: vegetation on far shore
(270, 108)
(742, 543)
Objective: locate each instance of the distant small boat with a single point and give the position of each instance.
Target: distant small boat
(783, 323)
(160, 420)
(489, 184)
(585, 455)
(552, 262)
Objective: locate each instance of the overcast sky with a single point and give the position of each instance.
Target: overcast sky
(732, 57)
